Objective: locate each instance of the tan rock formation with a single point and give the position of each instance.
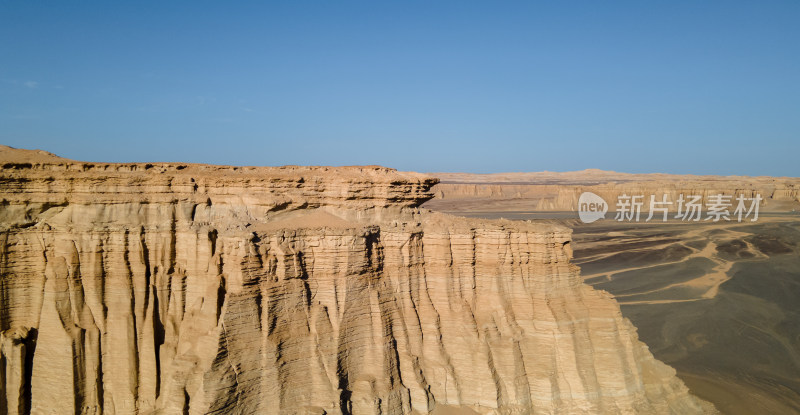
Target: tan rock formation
(548, 191)
(175, 288)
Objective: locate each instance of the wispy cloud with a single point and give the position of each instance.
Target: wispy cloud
(31, 84)
(248, 110)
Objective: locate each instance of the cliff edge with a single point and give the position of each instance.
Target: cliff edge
(181, 288)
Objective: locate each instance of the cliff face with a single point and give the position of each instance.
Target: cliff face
(547, 191)
(199, 289)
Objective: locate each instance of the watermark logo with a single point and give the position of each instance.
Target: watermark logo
(591, 207)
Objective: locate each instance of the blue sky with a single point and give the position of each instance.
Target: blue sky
(656, 86)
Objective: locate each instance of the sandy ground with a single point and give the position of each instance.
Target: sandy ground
(719, 302)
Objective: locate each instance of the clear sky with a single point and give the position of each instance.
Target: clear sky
(636, 86)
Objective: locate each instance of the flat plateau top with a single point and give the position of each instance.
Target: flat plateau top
(21, 159)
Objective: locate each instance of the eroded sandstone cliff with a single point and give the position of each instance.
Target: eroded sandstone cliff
(172, 288)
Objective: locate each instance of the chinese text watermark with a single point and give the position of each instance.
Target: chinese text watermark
(716, 207)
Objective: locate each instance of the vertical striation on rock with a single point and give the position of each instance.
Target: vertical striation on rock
(172, 288)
